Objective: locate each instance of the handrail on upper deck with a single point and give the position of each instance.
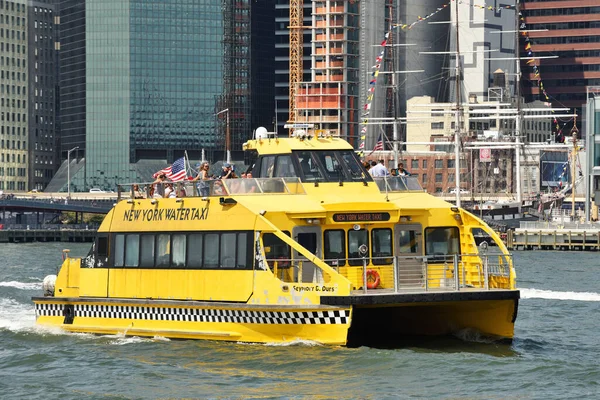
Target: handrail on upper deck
(398, 184)
(210, 188)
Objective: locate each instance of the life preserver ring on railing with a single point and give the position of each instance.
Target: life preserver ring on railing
(373, 279)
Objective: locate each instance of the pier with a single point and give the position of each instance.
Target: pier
(554, 236)
(80, 233)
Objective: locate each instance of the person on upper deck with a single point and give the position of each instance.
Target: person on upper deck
(402, 171)
(159, 186)
(203, 177)
(378, 169)
(137, 192)
(227, 172)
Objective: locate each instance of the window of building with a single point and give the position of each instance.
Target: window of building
(439, 164)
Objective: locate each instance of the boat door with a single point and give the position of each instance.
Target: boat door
(310, 238)
(408, 245)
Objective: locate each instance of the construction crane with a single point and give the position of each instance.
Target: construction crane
(296, 50)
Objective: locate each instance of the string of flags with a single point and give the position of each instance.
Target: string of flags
(533, 62)
(379, 60)
(371, 92)
(439, 9)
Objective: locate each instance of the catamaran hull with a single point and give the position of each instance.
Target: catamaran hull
(387, 318)
(196, 320)
(349, 320)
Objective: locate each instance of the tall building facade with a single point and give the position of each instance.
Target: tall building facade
(487, 39)
(151, 80)
(592, 146)
(330, 99)
(572, 32)
(42, 93)
(14, 140)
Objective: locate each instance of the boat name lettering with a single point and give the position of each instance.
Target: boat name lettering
(314, 288)
(167, 214)
(355, 217)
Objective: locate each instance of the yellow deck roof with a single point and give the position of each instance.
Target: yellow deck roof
(286, 145)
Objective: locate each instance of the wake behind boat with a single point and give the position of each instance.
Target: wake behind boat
(310, 248)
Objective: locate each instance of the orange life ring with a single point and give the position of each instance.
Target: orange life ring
(373, 279)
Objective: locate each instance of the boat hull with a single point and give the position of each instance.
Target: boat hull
(387, 318)
(196, 320)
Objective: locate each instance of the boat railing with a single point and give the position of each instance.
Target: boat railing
(398, 274)
(210, 188)
(398, 183)
(299, 270)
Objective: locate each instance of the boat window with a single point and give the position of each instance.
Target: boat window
(267, 165)
(332, 166)
(97, 257)
(356, 170)
(381, 242)
(194, 256)
(178, 251)
(119, 250)
(211, 250)
(355, 240)
(309, 166)
(132, 250)
(228, 247)
(407, 241)
(275, 248)
(284, 168)
(244, 257)
(181, 250)
(102, 246)
(335, 247)
(163, 251)
(147, 251)
(442, 241)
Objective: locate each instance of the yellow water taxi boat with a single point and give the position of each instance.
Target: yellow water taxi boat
(310, 248)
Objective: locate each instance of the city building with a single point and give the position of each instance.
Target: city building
(330, 99)
(144, 82)
(592, 145)
(486, 43)
(14, 139)
(42, 33)
(570, 31)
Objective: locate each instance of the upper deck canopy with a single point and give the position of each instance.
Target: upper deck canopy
(276, 145)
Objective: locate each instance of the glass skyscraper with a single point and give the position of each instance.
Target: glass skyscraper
(144, 79)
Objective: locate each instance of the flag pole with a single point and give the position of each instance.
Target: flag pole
(187, 163)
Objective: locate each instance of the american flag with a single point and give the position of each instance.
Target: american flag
(175, 172)
(379, 144)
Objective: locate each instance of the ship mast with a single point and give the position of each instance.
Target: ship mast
(457, 116)
(574, 132)
(519, 116)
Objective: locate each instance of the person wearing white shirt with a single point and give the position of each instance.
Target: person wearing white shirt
(378, 169)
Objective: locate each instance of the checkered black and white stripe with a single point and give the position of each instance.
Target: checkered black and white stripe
(199, 314)
(49, 310)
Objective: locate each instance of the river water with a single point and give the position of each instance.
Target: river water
(555, 353)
